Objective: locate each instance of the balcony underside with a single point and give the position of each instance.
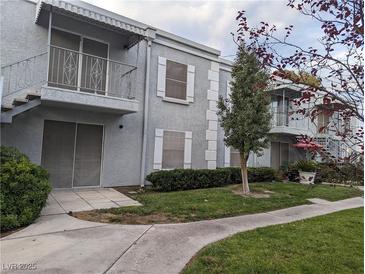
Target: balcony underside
(87, 101)
(289, 131)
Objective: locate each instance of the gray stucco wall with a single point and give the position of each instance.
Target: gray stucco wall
(174, 116)
(121, 151)
(20, 37)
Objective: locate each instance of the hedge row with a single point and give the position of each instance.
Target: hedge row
(184, 179)
(24, 189)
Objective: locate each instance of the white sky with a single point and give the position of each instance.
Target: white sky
(211, 22)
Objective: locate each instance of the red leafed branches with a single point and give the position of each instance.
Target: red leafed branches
(330, 74)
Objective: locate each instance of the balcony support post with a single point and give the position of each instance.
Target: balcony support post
(49, 43)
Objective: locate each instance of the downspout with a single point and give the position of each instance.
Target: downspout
(145, 112)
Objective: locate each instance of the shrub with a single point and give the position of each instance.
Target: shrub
(24, 189)
(340, 174)
(184, 179)
(306, 166)
(289, 172)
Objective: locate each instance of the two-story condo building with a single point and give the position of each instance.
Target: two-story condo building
(99, 99)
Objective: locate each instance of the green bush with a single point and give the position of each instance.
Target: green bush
(24, 189)
(184, 179)
(306, 166)
(340, 174)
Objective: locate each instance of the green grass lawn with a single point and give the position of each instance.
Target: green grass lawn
(201, 204)
(328, 244)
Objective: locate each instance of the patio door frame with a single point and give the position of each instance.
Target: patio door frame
(79, 71)
(74, 151)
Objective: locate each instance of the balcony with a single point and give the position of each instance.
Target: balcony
(70, 78)
(286, 122)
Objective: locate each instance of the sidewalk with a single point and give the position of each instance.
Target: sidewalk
(63, 244)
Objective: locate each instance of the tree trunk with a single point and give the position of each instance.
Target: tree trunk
(245, 187)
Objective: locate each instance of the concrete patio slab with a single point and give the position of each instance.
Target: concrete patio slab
(63, 244)
(64, 201)
(90, 250)
(53, 224)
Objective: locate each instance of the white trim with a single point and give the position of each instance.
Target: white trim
(161, 76)
(187, 149)
(175, 100)
(190, 83)
(211, 134)
(158, 150)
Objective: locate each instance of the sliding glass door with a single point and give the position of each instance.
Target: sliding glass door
(77, 63)
(72, 153)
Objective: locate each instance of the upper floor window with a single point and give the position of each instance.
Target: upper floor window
(173, 149)
(176, 80)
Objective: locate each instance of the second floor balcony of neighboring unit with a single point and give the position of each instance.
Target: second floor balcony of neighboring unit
(286, 121)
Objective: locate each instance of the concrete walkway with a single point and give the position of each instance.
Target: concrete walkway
(64, 201)
(63, 244)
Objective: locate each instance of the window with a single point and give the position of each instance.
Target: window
(176, 80)
(235, 157)
(173, 149)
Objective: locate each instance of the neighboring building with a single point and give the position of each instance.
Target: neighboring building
(102, 100)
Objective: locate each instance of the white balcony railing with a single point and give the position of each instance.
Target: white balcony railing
(289, 120)
(72, 70)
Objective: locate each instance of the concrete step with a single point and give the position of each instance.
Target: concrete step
(32, 95)
(5, 108)
(20, 101)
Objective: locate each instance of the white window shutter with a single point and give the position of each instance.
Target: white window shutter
(157, 156)
(187, 149)
(227, 156)
(190, 83)
(161, 77)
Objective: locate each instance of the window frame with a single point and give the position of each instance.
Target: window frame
(174, 99)
(183, 150)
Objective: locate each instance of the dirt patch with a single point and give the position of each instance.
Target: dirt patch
(127, 218)
(128, 190)
(256, 194)
(9, 232)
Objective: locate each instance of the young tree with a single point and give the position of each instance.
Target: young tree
(245, 115)
(331, 73)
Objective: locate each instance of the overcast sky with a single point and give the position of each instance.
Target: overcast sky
(211, 22)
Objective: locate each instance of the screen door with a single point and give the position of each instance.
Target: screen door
(58, 152)
(72, 153)
(88, 155)
(275, 155)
